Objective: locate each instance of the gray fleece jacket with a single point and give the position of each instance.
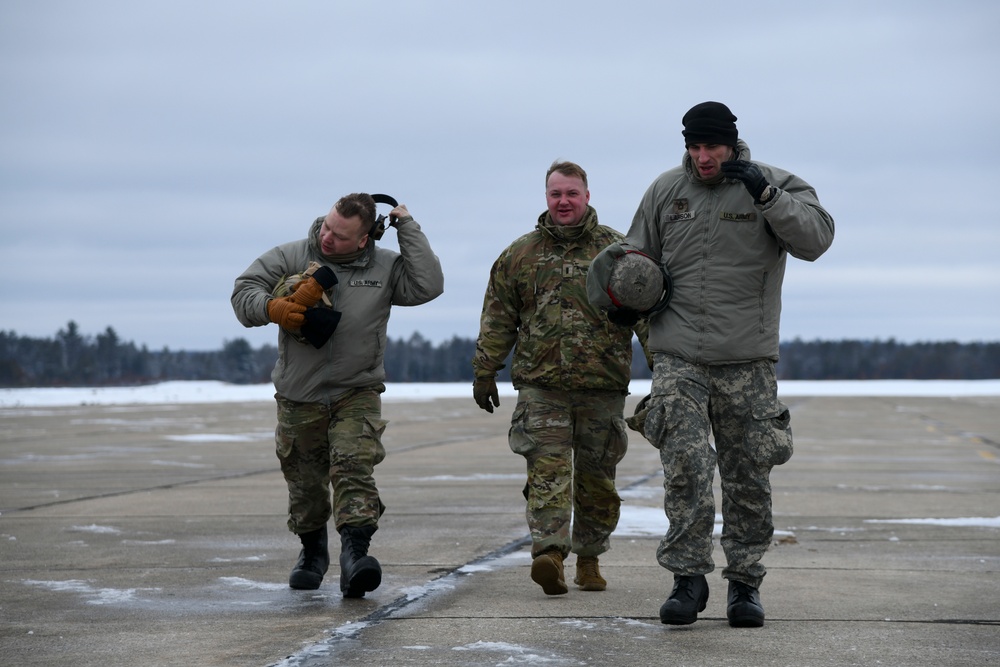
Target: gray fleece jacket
(367, 288)
(726, 256)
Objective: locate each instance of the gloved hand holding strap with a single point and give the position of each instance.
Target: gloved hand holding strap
(286, 313)
(308, 292)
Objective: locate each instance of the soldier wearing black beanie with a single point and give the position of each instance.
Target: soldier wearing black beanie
(722, 226)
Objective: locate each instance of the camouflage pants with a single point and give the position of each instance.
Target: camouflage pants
(572, 442)
(738, 405)
(338, 445)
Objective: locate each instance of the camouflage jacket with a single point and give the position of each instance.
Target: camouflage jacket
(536, 303)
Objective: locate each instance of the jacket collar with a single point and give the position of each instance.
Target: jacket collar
(568, 232)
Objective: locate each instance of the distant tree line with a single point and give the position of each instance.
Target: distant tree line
(888, 360)
(74, 359)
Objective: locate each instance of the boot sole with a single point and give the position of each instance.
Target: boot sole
(366, 579)
(679, 619)
(591, 585)
(684, 619)
(545, 573)
(304, 581)
(746, 620)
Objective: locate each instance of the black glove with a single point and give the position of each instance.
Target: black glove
(319, 325)
(325, 276)
(749, 174)
(623, 317)
(484, 390)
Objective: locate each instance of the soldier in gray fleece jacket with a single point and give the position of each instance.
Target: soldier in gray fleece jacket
(722, 226)
(331, 294)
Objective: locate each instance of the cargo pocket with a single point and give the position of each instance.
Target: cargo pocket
(284, 441)
(770, 433)
(518, 437)
(617, 444)
(374, 427)
(637, 422)
(660, 413)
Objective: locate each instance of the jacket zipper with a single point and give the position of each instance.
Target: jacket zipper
(762, 300)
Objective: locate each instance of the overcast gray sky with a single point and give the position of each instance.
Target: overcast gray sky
(152, 150)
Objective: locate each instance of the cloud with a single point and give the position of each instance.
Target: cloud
(153, 150)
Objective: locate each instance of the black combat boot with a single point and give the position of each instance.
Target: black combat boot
(314, 560)
(690, 595)
(744, 609)
(359, 572)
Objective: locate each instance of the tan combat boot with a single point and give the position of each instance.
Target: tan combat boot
(547, 572)
(588, 574)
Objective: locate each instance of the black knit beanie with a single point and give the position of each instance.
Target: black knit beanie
(709, 123)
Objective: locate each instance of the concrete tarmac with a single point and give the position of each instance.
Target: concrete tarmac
(155, 535)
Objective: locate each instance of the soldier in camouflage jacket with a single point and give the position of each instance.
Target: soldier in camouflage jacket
(571, 368)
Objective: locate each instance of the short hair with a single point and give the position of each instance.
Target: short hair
(567, 169)
(358, 204)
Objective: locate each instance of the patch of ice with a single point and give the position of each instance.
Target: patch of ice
(639, 521)
(479, 477)
(94, 528)
(471, 568)
(518, 655)
(579, 624)
(179, 464)
(635, 621)
(972, 521)
(350, 629)
(641, 492)
(435, 586)
(98, 596)
(212, 437)
(240, 582)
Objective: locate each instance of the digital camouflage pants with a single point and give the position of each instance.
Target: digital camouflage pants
(337, 445)
(738, 405)
(572, 442)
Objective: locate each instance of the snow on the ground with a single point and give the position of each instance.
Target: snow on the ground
(221, 392)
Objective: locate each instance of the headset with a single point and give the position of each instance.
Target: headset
(378, 228)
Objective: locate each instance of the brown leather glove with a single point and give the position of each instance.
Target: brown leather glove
(309, 291)
(286, 313)
(484, 390)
